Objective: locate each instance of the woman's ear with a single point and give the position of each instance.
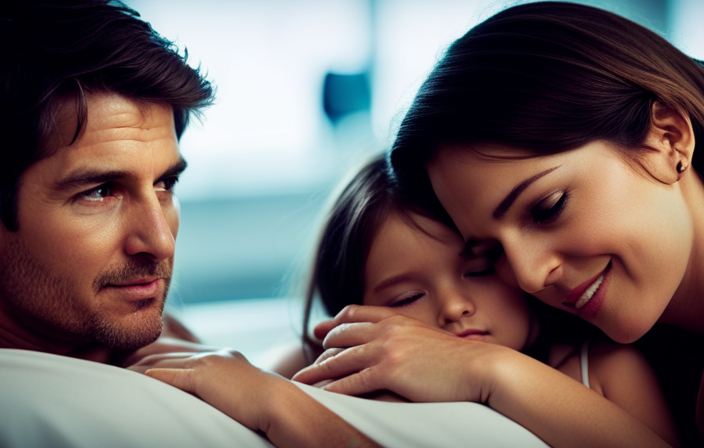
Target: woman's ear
(668, 148)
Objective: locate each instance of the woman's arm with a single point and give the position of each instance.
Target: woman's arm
(259, 400)
(373, 348)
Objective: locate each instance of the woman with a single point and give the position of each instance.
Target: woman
(562, 139)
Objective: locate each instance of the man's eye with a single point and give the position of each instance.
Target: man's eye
(166, 184)
(549, 209)
(407, 300)
(97, 194)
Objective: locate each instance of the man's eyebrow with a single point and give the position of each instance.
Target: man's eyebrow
(175, 170)
(94, 177)
(392, 281)
(518, 189)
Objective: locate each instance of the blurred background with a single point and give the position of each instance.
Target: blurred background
(307, 90)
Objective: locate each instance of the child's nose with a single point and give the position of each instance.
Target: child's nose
(455, 305)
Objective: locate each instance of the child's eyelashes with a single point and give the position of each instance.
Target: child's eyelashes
(407, 300)
(550, 208)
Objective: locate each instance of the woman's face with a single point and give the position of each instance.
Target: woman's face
(421, 273)
(583, 230)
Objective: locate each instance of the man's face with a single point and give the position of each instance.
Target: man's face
(92, 259)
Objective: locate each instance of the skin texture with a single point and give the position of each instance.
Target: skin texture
(91, 263)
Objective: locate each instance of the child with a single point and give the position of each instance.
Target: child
(378, 248)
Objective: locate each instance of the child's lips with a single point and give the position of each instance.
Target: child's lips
(472, 334)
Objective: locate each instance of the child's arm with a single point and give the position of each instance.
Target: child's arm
(382, 350)
(624, 377)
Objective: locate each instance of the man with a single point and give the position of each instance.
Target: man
(93, 104)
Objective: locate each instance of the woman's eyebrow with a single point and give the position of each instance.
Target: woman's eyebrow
(517, 190)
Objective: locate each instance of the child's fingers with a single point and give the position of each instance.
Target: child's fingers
(180, 378)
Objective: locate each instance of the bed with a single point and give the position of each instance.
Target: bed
(55, 401)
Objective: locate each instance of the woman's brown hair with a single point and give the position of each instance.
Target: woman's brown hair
(548, 77)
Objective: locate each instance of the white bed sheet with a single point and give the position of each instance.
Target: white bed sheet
(55, 401)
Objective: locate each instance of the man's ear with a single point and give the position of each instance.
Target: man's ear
(668, 148)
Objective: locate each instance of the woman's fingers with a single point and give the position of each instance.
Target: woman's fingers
(350, 335)
(360, 383)
(353, 314)
(336, 363)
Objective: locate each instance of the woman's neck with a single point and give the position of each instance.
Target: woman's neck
(686, 309)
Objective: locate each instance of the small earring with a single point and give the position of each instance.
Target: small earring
(680, 167)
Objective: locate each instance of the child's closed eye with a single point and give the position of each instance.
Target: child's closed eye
(407, 299)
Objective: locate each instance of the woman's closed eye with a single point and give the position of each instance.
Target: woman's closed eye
(483, 272)
(407, 299)
(550, 208)
(482, 265)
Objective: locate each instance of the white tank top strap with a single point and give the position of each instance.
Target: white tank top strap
(584, 361)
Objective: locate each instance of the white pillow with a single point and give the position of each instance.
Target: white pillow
(56, 401)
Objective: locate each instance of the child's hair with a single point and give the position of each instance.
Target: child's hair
(337, 275)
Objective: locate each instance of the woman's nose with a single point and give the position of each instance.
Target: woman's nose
(534, 265)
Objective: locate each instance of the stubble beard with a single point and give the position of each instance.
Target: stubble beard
(50, 306)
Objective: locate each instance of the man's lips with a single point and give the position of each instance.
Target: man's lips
(139, 289)
(583, 293)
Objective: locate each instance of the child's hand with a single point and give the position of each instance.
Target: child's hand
(374, 348)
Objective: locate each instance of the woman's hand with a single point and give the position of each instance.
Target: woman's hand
(260, 400)
(374, 348)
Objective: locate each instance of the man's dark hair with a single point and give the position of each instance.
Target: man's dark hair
(57, 52)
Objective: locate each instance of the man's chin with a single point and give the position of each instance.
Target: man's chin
(140, 328)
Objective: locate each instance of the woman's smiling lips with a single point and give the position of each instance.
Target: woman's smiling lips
(589, 295)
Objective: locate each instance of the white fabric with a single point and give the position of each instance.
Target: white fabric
(55, 401)
(584, 362)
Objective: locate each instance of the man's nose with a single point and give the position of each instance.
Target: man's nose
(151, 224)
